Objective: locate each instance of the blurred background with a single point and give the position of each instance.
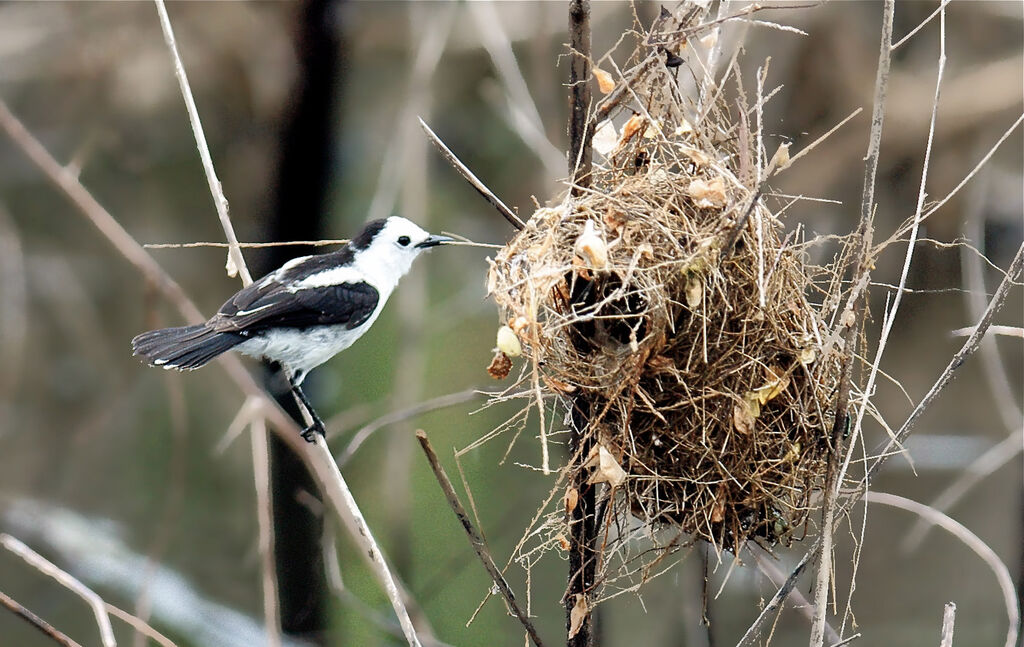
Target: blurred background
(122, 475)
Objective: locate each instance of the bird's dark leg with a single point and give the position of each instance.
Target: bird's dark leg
(318, 425)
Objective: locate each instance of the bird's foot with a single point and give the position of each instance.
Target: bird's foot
(310, 432)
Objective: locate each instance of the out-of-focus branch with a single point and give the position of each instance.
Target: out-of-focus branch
(46, 567)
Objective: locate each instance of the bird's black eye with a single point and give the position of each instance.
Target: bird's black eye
(404, 241)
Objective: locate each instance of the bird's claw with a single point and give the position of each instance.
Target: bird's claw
(310, 432)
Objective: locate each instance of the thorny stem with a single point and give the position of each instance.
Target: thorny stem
(851, 323)
(475, 538)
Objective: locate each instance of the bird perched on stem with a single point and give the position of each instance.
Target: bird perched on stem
(302, 314)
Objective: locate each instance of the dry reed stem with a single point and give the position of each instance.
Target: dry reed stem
(236, 263)
(43, 626)
(46, 567)
(265, 524)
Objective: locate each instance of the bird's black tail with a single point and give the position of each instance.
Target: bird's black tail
(184, 347)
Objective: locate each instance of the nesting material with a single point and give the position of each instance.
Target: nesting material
(699, 367)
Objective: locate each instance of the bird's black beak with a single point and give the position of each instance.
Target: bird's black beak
(434, 241)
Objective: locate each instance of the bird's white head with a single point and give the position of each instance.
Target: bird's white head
(387, 248)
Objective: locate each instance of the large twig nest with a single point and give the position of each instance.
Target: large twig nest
(698, 363)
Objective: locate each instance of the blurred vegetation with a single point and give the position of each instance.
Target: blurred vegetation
(85, 427)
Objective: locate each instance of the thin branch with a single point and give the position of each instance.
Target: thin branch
(948, 618)
(46, 567)
(45, 627)
(972, 541)
(479, 545)
(393, 417)
(264, 514)
(834, 476)
(235, 260)
(284, 243)
(776, 602)
(766, 564)
(464, 171)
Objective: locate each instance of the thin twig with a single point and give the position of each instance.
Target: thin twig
(46, 567)
(948, 618)
(400, 415)
(479, 545)
(767, 565)
(776, 602)
(45, 627)
(834, 476)
(264, 519)
(235, 260)
(464, 171)
(285, 243)
(970, 540)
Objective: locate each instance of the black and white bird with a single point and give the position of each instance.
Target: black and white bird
(302, 314)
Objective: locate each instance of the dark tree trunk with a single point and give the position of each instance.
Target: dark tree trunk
(305, 168)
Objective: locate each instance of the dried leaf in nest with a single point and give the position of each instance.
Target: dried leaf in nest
(635, 124)
(572, 497)
(578, 614)
(708, 193)
(500, 366)
(605, 82)
(777, 383)
(608, 469)
(744, 414)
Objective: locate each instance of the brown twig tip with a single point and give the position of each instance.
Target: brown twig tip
(473, 180)
(475, 538)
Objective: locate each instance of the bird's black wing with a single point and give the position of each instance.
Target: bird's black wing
(268, 304)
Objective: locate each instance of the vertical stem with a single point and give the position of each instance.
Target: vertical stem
(581, 519)
(580, 151)
(582, 530)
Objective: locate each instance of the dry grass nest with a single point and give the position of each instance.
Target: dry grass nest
(698, 367)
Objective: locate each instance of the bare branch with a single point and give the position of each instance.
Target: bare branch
(464, 171)
(479, 545)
